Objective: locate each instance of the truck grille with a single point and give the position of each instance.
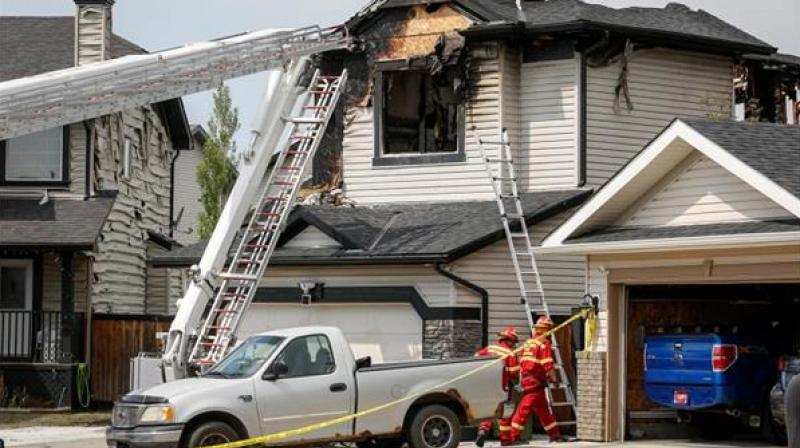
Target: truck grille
(125, 416)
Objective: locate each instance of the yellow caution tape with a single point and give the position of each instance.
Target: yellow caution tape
(266, 439)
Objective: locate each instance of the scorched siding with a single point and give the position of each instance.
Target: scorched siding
(466, 180)
(663, 84)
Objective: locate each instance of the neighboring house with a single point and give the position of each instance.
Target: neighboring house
(700, 230)
(186, 203)
(82, 209)
(419, 267)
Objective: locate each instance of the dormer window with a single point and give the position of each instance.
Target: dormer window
(37, 158)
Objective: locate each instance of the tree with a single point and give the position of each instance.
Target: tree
(216, 172)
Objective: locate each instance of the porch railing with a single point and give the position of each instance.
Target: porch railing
(38, 336)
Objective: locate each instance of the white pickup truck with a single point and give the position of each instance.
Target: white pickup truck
(287, 379)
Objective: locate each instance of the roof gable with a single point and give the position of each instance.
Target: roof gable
(699, 191)
(672, 147)
(312, 238)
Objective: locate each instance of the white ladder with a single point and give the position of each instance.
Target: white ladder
(240, 278)
(504, 185)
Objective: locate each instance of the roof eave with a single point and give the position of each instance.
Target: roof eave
(739, 240)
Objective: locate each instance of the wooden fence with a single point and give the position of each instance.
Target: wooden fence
(115, 340)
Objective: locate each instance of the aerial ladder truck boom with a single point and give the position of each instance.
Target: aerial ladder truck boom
(290, 123)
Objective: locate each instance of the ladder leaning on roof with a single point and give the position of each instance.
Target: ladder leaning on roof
(241, 277)
(507, 195)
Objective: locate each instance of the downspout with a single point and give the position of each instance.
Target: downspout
(483, 294)
(172, 193)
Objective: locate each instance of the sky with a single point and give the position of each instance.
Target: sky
(159, 24)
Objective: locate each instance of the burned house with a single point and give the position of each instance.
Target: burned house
(416, 264)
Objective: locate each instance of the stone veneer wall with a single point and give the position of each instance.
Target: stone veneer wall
(443, 339)
(590, 393)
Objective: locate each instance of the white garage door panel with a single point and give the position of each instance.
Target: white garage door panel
(384, 332)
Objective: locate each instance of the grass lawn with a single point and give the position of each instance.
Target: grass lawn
(24, 419)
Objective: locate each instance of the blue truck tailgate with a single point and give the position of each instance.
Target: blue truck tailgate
(696, 371)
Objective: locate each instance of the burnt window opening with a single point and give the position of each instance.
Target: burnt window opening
(419, 117)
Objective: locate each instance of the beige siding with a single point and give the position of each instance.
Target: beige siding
(77, 159)
(142, 204)
(563, 277)
(431, 182)
(704, 192)
(548, 101)
(187, 196)
(434, 288)
(312, 237)
(663, 84)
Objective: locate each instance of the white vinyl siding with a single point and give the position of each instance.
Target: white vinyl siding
(663, 84)
(548, 155)
(312, 237)
(466, 180)
(187, 196)
(563, 277)
(704, 193)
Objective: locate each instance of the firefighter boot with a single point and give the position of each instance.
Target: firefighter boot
(481, 439)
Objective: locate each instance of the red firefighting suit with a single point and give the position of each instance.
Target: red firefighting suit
(536, 368)
(510, 373)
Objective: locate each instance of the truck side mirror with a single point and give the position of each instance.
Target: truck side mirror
(275, 371)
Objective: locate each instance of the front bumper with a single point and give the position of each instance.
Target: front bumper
(166, 436)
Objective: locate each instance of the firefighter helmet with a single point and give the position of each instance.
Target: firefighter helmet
(509, 333)
(544, 323)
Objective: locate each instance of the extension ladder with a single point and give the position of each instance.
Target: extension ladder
(504, 185)
(239, 281)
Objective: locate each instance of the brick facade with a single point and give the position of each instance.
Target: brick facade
(444, 339)
(590, 393)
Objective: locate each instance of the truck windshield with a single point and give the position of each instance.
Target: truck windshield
(247, 358)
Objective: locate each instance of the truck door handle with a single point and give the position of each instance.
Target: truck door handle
(338, 387)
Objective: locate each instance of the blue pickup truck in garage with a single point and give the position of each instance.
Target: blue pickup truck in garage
(712, 377)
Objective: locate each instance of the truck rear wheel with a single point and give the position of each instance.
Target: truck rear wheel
(211, 433)
(434, 426)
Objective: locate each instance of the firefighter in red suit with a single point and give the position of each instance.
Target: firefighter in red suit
(536, 370)
(505, 347)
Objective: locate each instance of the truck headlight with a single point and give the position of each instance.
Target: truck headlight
(157, 415)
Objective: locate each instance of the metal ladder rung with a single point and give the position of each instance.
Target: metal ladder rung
(567, 423)
(305, 120)
(559, 404)
(237, 276)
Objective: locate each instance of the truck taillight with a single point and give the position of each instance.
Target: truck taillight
(781, 363)
(723, 356)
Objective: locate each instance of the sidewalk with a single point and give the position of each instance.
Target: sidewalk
(55, 436)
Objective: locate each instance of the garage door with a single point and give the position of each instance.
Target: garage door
(384, 332)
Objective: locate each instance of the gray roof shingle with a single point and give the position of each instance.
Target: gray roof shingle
(60, 222)
(699, 230)
(399, 232)
(33, 45)
(674, 21)
(771, 149)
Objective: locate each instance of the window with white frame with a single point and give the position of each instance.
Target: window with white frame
(40, 157)
(16, 284)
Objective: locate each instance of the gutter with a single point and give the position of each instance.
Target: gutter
(674, 244)
(172, 222)
(585, 54)
(484, 299)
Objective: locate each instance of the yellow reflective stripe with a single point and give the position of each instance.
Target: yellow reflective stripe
(503, 350)
(550, 426)
(531, 342)
(534, 359)
(504, 428)
(517, 426)
(512, 369)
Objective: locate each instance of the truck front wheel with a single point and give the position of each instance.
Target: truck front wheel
(434, 426)
(211, 433)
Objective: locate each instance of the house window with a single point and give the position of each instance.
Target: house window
(419, 117)
(16, 278)
(39, 158)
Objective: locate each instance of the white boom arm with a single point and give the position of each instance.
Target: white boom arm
(68, 96)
